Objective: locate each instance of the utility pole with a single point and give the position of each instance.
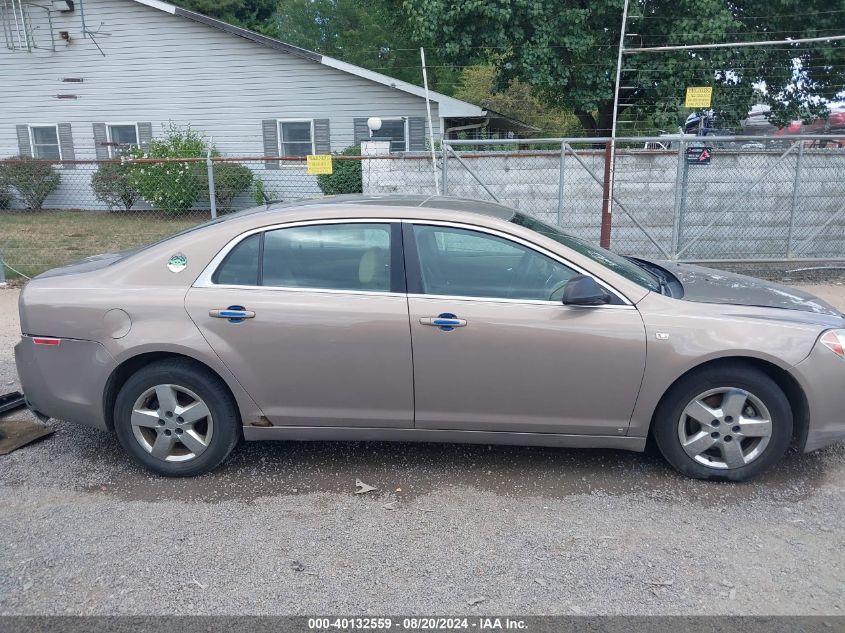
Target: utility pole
(610, 148)
(430, 125)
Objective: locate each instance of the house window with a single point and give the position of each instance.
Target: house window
(122, 137)
(393, 130)
(296, 137)
(45, 142)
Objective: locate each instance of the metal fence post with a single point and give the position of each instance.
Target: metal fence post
(560, 184)
(795, 187)
(212, 198)
(680, 197)
(444, 168)
(2, 272)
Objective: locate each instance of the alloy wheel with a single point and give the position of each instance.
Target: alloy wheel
(725, 428)
(172, 423)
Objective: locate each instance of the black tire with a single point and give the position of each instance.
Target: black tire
(665, 426)
(210, 389)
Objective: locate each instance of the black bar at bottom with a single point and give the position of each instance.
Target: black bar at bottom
(526, 624)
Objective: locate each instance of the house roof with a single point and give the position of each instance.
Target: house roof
(449, 106)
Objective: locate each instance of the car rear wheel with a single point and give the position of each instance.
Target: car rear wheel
(727, 422)
(176, 418)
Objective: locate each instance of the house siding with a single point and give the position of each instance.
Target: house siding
(159, 68)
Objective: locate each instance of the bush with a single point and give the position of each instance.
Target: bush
(6, 195)
(5, 198)
(346, 176)
(258, 193)
(230, 179)
(112, 185)
(171, 187)
(32, 180)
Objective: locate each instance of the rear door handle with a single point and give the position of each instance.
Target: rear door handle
(446, 321)
(235, 314)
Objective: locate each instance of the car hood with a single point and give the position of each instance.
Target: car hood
(706, 285)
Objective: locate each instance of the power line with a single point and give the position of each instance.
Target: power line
(746, 17)
(687, 47)
(786, 34)
(605, 65)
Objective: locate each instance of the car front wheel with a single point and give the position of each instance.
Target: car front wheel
(727, 422)
(176, 418)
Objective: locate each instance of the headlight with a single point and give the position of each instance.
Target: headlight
(834, 340)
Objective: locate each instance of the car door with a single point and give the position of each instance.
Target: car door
(495, 349)
(312, 319)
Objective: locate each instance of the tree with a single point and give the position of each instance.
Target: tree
(518, 100)
(566, 51)
(374, 34)
(250, 14)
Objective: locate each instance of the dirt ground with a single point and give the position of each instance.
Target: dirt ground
(449, 529)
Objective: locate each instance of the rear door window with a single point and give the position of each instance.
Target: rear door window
(328, 256)
(350, 256)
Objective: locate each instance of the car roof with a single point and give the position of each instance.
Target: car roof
(446, 203)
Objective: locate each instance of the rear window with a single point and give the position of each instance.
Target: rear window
(240, 268)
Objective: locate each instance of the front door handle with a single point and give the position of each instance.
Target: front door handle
(446, 321)
(235, 314)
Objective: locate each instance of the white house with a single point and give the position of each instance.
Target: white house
(79, 78)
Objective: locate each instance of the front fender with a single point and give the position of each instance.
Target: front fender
(681, 336)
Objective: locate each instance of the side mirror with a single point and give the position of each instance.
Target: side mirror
(582, 290)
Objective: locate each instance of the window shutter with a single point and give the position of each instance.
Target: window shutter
(361, 131)
(322, 136)
(66, 144)
(416, 134)
(101, 140)
(145, 135)
(270, 131)
(24, 148)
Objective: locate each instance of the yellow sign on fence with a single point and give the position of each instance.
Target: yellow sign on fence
(319, 164)
(699, 97)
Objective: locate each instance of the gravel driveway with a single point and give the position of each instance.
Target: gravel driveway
(279, 530)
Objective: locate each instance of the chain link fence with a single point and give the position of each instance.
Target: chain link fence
(54, 212)
(693, 199)
(722, 199)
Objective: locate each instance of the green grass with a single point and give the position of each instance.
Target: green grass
(33, 242)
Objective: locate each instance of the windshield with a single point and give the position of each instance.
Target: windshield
(615, 262)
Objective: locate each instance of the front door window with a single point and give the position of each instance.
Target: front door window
(466, 263)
